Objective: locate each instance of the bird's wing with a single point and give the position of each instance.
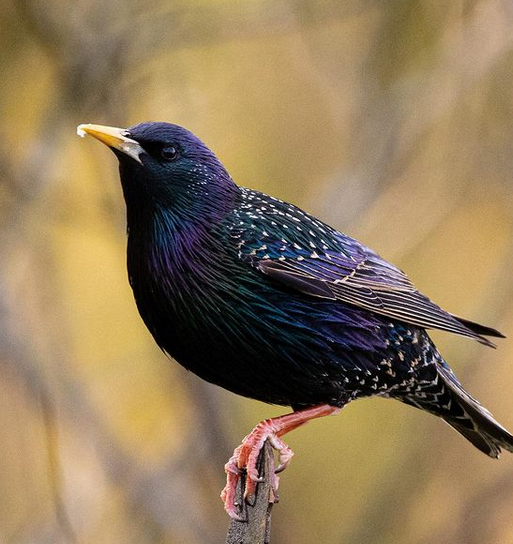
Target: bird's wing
(356, 275)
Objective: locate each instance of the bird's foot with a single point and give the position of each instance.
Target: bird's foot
(245, 457)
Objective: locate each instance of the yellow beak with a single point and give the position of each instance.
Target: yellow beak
(115, 138)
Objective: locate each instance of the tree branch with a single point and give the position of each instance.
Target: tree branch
(256, 527)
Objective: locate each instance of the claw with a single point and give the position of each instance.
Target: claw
(228, 496)
(285, 453)
(245, 457)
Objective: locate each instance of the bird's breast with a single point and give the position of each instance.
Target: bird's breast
(234, 327)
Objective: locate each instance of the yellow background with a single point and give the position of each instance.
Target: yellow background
(390, 120)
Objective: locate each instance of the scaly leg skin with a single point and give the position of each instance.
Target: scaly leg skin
(245, 456)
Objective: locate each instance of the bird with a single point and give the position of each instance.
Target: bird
(261, 298)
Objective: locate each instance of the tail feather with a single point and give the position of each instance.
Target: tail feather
(473, 420)
(444, 397)
(481, 330)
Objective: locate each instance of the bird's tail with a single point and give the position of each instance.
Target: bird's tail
(446, 398)
(473, 420)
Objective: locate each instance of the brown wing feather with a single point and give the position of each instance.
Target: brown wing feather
(384, 290)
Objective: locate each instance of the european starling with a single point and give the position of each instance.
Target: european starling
(259, 297)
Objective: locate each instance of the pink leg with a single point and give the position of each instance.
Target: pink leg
(245, 456)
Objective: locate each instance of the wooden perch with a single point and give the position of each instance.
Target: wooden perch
(256, 527)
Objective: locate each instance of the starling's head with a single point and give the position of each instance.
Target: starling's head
(165, 166)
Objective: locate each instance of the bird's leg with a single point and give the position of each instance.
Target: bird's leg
(245, 456)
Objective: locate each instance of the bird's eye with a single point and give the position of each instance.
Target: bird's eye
(169, 153)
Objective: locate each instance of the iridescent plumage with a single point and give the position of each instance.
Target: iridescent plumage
(259, 297)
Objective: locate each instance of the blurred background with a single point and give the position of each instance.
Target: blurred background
(392, 121)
